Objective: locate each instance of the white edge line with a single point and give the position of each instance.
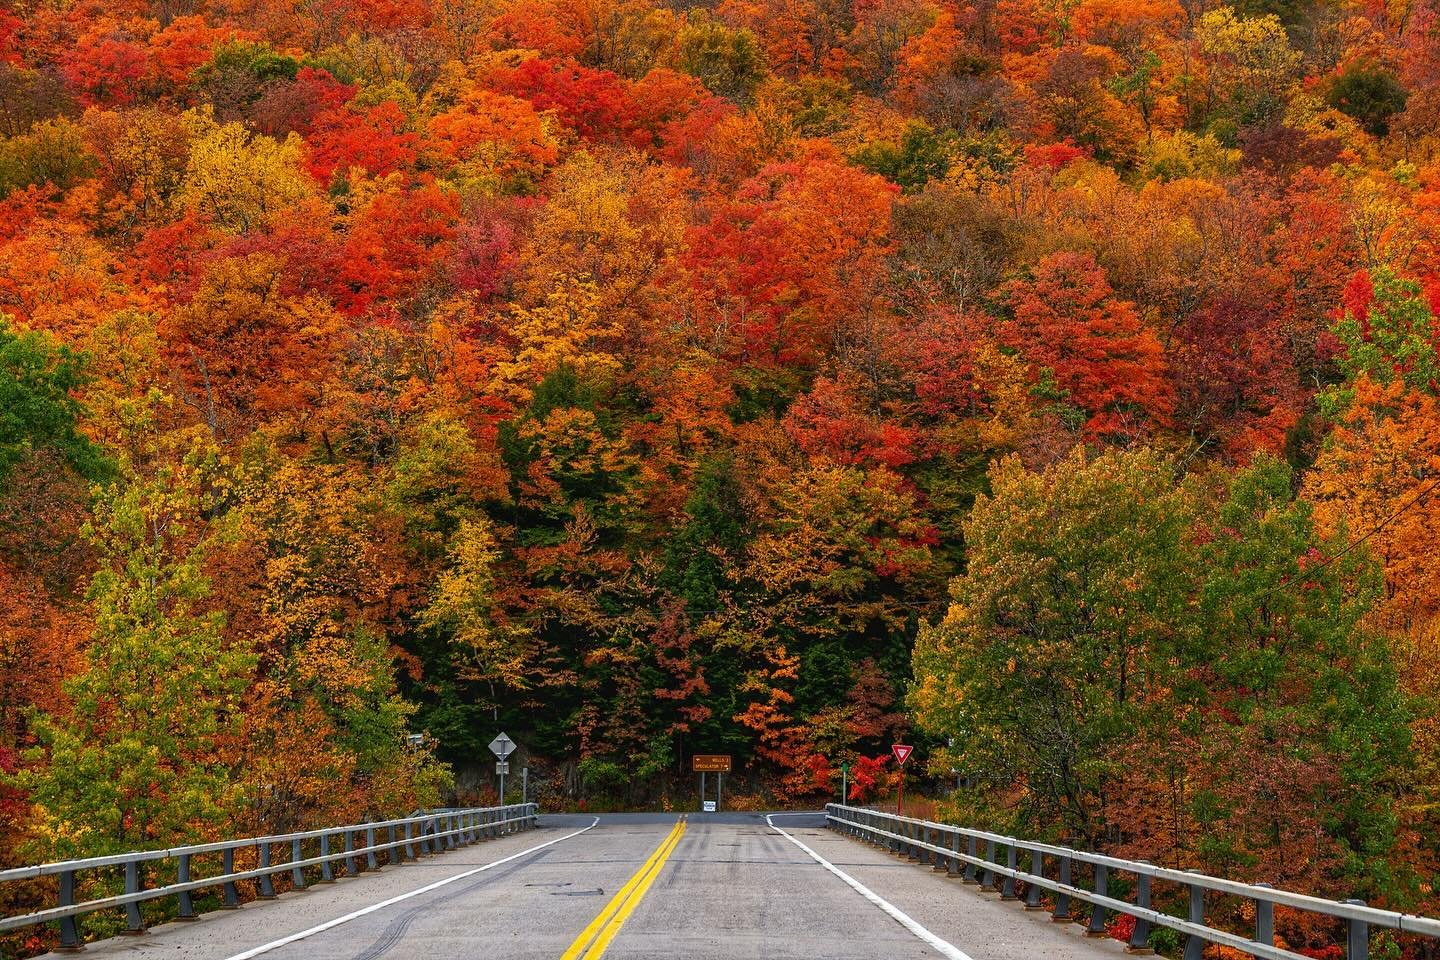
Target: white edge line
(944, 948)
(275, 944)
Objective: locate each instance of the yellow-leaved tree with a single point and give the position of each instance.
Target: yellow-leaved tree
(238, 180)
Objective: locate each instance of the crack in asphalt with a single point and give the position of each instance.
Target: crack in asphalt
(397, 928)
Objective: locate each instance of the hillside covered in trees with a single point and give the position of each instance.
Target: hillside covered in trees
(648, 377)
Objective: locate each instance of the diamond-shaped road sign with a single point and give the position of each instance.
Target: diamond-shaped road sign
(502, 746)
(902, 752)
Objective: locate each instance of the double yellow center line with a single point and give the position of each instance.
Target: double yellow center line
(597, 936)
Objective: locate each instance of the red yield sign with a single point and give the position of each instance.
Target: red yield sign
(902, 753)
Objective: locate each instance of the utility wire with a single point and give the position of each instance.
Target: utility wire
(1414, 501)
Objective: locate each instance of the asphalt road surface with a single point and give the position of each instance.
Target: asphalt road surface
(633, 887)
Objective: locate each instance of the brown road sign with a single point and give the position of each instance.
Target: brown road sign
(710, 763)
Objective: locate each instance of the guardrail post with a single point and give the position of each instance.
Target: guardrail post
(1264, 920)
(326, 874)
(1357, 936)
(267, 883)
(1195, 945)
(409, 847)
(954, 868)
(987, 881)
(351, 868)
(370, 861)
(297, 874)
(1061, 914)
(1007, 886)
(182, 875)
(1097, 912)
(227, 867)
(971, 847)
(69, 930)
(1140, 936)
(1032, 889)
(135, 922)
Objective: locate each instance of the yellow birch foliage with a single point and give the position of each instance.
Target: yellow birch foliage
(240, 181)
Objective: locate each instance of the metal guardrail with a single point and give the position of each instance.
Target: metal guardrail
(429, 833)
(940, 845)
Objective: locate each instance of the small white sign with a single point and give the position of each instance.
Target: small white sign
(709, 806)
(502, 767)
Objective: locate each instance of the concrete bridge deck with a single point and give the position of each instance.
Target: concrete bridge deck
(637, 887)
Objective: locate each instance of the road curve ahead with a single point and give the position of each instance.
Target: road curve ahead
(632, 887)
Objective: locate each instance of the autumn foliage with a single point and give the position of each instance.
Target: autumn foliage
(638, 376)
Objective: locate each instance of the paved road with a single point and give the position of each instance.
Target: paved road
(633, 887)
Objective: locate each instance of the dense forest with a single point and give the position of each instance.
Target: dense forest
(1053, 381)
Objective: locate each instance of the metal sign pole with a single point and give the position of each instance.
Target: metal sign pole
(702, 790)
(524, 784)
(844, 783)
(719, 790)
(502, 746)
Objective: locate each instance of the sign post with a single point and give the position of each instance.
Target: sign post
(502, 746)
(845, 781)
(902, 753)
(718, 764)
